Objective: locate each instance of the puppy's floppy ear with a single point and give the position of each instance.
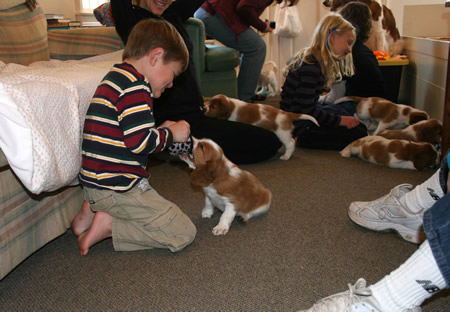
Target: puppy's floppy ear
(424, 156)
(203, 175)
(222, 106)
(415, 117)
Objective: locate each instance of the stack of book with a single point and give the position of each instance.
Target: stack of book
(57, 21)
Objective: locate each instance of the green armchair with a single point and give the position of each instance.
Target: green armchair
(214, 65)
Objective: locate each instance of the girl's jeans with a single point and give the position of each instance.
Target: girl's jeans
(249, 43)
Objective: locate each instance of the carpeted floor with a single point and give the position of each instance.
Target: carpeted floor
(305, 248)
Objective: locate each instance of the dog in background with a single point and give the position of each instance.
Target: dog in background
(393, 153)
(379, 114)
(234, 191)
(423, 131)
(267, 83)
(384, 35)
(261, 115)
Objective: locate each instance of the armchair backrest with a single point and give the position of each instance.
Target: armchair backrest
(196, 31)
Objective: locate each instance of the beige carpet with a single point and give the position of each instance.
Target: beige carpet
(305, 248)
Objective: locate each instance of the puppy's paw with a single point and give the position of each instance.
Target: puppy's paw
(220, 229)
(285, 156)
(346, 152)
(207, 213)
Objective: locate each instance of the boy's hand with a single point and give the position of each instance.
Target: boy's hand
(349, 122)
(180, 130)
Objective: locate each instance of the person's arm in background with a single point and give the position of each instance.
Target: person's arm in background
(300, 95)
(185, 8)
(248, 12)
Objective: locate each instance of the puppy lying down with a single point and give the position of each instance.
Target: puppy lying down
(234, 191)
(261, 115)
(393, 153)
(429, 130)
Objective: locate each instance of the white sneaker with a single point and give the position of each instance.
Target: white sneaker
(386, 213)
(357, 299)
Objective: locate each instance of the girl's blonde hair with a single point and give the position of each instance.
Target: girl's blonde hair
(321, 49)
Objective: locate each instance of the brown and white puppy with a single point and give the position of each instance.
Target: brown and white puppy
(393, 153)
(268, 79)
(424, 131)
(384, 35)
(380, 114)
(261, 115)
(234, 191)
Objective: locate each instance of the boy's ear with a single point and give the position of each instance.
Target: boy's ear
(156, 54)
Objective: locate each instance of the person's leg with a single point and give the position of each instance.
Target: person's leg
(402, 209)
(146, 220)
(249, 43)
(139, 219)
(100, 229)
(403, 290)
(436, 224)
(421, 276)
(241, 143)
(329, 138)
(83, 220)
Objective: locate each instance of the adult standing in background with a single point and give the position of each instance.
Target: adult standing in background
(229, 21)
(242, 143)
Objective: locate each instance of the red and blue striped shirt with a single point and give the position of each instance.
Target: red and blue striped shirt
(119, 131)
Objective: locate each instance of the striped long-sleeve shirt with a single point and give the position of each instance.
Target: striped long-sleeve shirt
(301, 91)
(119, 131)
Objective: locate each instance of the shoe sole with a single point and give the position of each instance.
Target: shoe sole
(404, 232)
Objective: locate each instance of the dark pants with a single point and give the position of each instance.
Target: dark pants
(241, 143)
(330, 138)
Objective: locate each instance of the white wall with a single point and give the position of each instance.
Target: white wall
(424, 80)
(66, 7)
(397, 8)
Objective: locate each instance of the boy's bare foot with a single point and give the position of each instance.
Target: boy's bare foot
(100, 229)
(83, 219)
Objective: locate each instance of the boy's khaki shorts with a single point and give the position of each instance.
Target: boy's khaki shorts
(142, 219)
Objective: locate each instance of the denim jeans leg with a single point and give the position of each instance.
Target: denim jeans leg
(249, 43)
(436, 223)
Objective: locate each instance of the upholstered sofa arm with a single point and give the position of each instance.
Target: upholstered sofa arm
(214, 64)
(79, 43)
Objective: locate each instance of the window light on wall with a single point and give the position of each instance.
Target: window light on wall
(91, 4)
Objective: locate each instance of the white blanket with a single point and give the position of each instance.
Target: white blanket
(42, 109)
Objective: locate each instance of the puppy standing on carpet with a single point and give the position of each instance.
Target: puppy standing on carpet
(268, 80)
(268, 117)
(228, 188)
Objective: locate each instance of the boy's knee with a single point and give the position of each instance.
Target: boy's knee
(184, 233)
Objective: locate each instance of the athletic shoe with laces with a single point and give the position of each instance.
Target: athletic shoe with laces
(387, 214)
(357, 299)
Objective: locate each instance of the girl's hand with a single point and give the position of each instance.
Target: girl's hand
(349, 122)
